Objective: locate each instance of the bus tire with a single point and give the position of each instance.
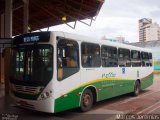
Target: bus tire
(86, 100)
(137, 88)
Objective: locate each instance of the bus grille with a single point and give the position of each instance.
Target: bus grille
(26, 89)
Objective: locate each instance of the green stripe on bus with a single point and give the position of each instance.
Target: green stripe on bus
(105, 89)
(147, 81)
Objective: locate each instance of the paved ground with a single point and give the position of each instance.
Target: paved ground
(148, 102)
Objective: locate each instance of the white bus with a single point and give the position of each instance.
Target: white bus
(56, 71)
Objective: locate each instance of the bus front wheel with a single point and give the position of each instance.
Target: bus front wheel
(86, 100)
(137, 88)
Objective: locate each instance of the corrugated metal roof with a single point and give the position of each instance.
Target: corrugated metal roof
(46, 13)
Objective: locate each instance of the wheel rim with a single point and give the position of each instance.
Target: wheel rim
(86, 100)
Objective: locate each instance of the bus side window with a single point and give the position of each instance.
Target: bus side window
(145, 59)
(109, 56)
(150, 59)
(124, 57)
(90, 55)
(135, 58)
(67, 58)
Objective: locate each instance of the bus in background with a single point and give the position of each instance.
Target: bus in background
(57, 71)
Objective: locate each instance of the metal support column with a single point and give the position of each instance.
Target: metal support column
(8, 34)
(8, 18)
(1, 36)
(26, 16)
(2, 26)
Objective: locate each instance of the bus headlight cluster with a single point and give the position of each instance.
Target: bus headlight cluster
(46, 95)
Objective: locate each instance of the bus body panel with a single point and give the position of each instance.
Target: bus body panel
(46, 105)
(67, 96)
(108, 82)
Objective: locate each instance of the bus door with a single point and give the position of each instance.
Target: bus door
(68, 71)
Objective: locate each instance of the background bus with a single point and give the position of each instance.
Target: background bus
(56, 71)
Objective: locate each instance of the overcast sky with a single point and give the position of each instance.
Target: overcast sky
(118, 18)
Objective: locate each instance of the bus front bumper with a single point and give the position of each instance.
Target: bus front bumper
(45, 105)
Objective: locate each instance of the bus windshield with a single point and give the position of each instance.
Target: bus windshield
(32, 64)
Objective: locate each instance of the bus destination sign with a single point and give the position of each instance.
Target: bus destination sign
(32, 38)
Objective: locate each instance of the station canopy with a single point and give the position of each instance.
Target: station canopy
(47, 13)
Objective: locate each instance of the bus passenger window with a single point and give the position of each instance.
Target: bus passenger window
(124, 57)
(135, 58)
(150, 59)
(145, 59)
(90, 55)
(67, 58)
(109, 56)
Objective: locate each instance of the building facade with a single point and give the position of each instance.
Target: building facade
(143, 24)
(119, 39)
(148, 31)
(153, 32)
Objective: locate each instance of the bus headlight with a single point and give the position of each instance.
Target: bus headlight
(45, 95)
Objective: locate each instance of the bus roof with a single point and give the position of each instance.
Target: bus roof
(99, 41)
(44, 37)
